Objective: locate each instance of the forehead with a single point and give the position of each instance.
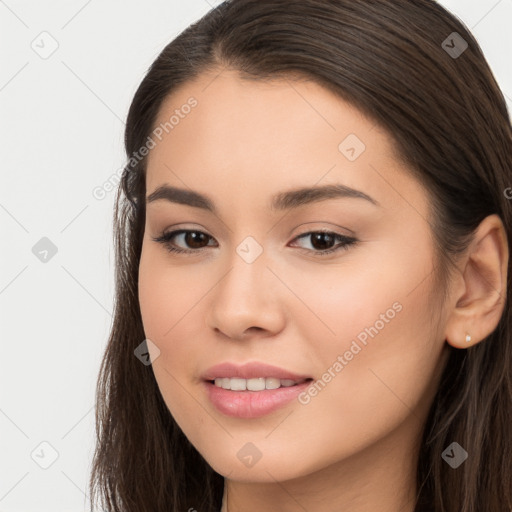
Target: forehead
(225, 102)
(264, 135)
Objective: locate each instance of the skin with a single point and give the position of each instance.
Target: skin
(354, 445)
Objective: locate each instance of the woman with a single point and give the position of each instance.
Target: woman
(312, 253)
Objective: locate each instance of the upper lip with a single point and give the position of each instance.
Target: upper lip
(250, 371)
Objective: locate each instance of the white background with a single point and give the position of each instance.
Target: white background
(62, 121)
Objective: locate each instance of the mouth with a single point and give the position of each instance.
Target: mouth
(254, 397)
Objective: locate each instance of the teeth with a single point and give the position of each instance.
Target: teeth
(257, 384)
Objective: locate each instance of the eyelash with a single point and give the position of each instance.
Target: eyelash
(165, 239)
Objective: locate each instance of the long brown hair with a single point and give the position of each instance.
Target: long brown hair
(450, 125)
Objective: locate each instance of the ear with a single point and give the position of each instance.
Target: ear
(480, 289)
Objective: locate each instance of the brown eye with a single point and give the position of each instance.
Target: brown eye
(323, 242)
(193, 240)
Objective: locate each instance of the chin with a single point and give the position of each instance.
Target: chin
(268, 469)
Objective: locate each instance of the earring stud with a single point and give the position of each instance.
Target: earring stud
(468, 338)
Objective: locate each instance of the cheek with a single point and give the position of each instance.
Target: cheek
(371, 339)
(385, 385)
(155, 297)
(167, 294)
(170, 298)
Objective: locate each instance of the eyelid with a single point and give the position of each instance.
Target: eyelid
(334, 229)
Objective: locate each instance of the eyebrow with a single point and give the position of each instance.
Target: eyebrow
(286, 200)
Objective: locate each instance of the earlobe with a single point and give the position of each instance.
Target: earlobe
(477, 305)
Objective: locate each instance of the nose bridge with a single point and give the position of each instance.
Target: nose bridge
(246, 282)
(244, 296)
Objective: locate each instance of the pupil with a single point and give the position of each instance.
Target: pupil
(321, 237)
(193, 239)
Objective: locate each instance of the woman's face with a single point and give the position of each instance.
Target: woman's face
(257, 284)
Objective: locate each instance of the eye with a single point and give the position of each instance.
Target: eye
(322, 241)
(195, 241)
(193, 238)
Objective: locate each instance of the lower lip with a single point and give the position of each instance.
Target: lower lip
(252, 404)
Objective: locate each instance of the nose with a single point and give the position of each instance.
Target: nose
(247, 301)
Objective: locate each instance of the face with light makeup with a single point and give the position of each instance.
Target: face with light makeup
(307, 297)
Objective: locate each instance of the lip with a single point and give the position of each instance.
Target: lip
(250, 371)
(252, 404)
